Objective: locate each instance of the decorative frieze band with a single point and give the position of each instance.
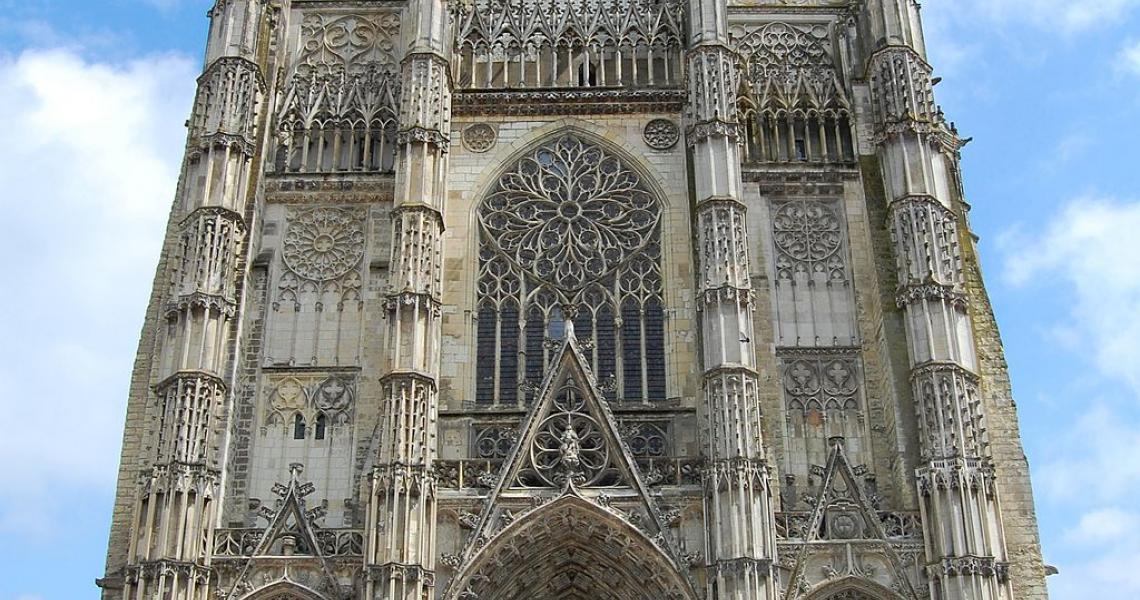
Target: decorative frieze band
(960, 566)
(933, 292)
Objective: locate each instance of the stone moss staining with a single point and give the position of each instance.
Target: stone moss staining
(570, 299)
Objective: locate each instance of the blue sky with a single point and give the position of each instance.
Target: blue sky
(94, 95)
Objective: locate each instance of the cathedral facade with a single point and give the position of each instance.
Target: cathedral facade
(570, 300)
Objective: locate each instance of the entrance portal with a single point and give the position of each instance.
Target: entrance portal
(571, 549)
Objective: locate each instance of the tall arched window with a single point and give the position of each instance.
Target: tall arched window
(570, 232)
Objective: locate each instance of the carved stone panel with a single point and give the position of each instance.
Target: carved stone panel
(814, 298)
(323, 243)
(318, 300)
(349, 43)
(809, 241)
(338, 109)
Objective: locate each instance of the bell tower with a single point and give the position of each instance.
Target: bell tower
(570, 299)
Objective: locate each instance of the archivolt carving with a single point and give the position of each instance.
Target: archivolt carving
(323, 243)
(570, 549)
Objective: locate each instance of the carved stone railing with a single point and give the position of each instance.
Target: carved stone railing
(484, 473)
(510, 44)
(243, 542)
(896, 525)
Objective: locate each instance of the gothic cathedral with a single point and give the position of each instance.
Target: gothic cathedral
(570, 300)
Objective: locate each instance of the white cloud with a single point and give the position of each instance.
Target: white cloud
(1090, 248)
(1110, 573)
(89, 156)
(1128, 59)
(1103, 526)
(1087, 462)
(1086, 258)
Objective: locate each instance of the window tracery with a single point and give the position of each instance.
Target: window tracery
(570, 233)
(809, 241)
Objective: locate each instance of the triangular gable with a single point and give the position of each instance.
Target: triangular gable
(843, 512)
(290, 532)
(570, 443)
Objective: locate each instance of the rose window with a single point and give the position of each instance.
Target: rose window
(570, 232)
(570, 213)
(323, 244)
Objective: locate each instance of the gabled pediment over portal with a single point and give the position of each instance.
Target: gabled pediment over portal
(570, 445)
(289, 552)
(844, 540)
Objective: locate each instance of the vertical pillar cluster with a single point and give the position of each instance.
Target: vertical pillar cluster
(966, 554)
(741, 543)
(400, 552)
(174, 512)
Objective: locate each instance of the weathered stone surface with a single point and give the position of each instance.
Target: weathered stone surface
(674, 300)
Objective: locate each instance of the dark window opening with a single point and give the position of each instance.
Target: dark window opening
(298, 427)
(321, 424)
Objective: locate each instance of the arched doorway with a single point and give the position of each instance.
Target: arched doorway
(853, 588)
(571, 549)
(283, 590)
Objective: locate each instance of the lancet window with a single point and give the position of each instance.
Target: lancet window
(570, 234)
(568, 43)
(792, 103)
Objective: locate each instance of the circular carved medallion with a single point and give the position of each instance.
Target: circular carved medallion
(807, 231)
(661, 134)
(569, 443)
(479, 137)
(323, 243)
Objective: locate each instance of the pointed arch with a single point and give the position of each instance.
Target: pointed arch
(573, 549)
(853, 588)
(573, 221)
(283, 590)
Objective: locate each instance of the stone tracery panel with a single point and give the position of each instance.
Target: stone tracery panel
(316, 309)
(308, 418)
(570, 232)
(568, 43)
(814, 297)
(809, 240)
(822, 401)
(570, 445)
